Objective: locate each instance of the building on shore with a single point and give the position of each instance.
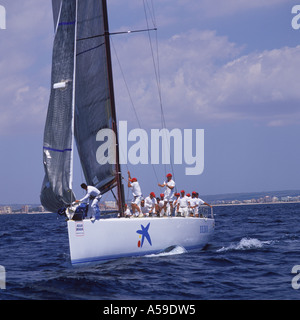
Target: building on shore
(5, 209)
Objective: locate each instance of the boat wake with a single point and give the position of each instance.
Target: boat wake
(170, 251)
(246, 244)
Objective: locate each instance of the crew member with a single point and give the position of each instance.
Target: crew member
(151, 204)
(169, 192)
(182, 204)
(136, 192)
(93, 196)
(200, 202)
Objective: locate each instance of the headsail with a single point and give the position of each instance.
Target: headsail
(58, 135)
(56, 6)
(81, 102)
(94, 106)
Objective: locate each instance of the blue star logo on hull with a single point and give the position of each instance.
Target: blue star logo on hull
(144, 233)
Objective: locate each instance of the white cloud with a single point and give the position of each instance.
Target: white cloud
(260, 86)
(202, 74)
(205, 77)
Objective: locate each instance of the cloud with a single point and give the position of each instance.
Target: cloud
(260, 86)
(202, 74)
(26, 54)
(205, 77)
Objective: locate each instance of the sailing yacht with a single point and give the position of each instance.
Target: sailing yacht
(81, 104)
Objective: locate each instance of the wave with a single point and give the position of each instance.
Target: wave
(169, 252)
(246, 244)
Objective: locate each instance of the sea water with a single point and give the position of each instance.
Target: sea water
(251, 256)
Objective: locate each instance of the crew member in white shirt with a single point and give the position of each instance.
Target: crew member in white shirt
(92, 197)
(200, 202)
(169, 192)
(177, 195)
(161, 205)
(136, 192)
(151, 203)
(188, 195)
(144, 210)
(194, 203)
(182, 204)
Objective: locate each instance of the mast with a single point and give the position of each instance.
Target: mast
(121, 198)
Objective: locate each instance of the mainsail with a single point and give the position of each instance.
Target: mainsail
(58, 135)
(94, 107)
(82, 103)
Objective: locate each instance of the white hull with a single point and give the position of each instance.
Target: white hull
(106, 239)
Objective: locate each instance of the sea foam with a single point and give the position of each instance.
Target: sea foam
(246, 244)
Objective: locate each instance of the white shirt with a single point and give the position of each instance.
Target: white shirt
(91, 192)
(193, 202)
(161, 203)
(136, 189)
(168, 191)
(150, 203)
(199, 201)
(183, 202)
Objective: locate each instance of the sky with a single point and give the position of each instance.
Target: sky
(230, 67)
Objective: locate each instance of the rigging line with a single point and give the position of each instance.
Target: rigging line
(116, 33)
(152, 13)
(156, 68)
(157, 72)
(157, 75)
(132, 103)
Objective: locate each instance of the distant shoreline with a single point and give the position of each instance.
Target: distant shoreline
(214, 205)
(251, 204)
(29, 213)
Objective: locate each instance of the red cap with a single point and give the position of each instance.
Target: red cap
(169, 175)
(162, 195)
(194, 192)
(152, 194)
(177, 194)
(188, 194)
(182, 191)
(133, 180)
